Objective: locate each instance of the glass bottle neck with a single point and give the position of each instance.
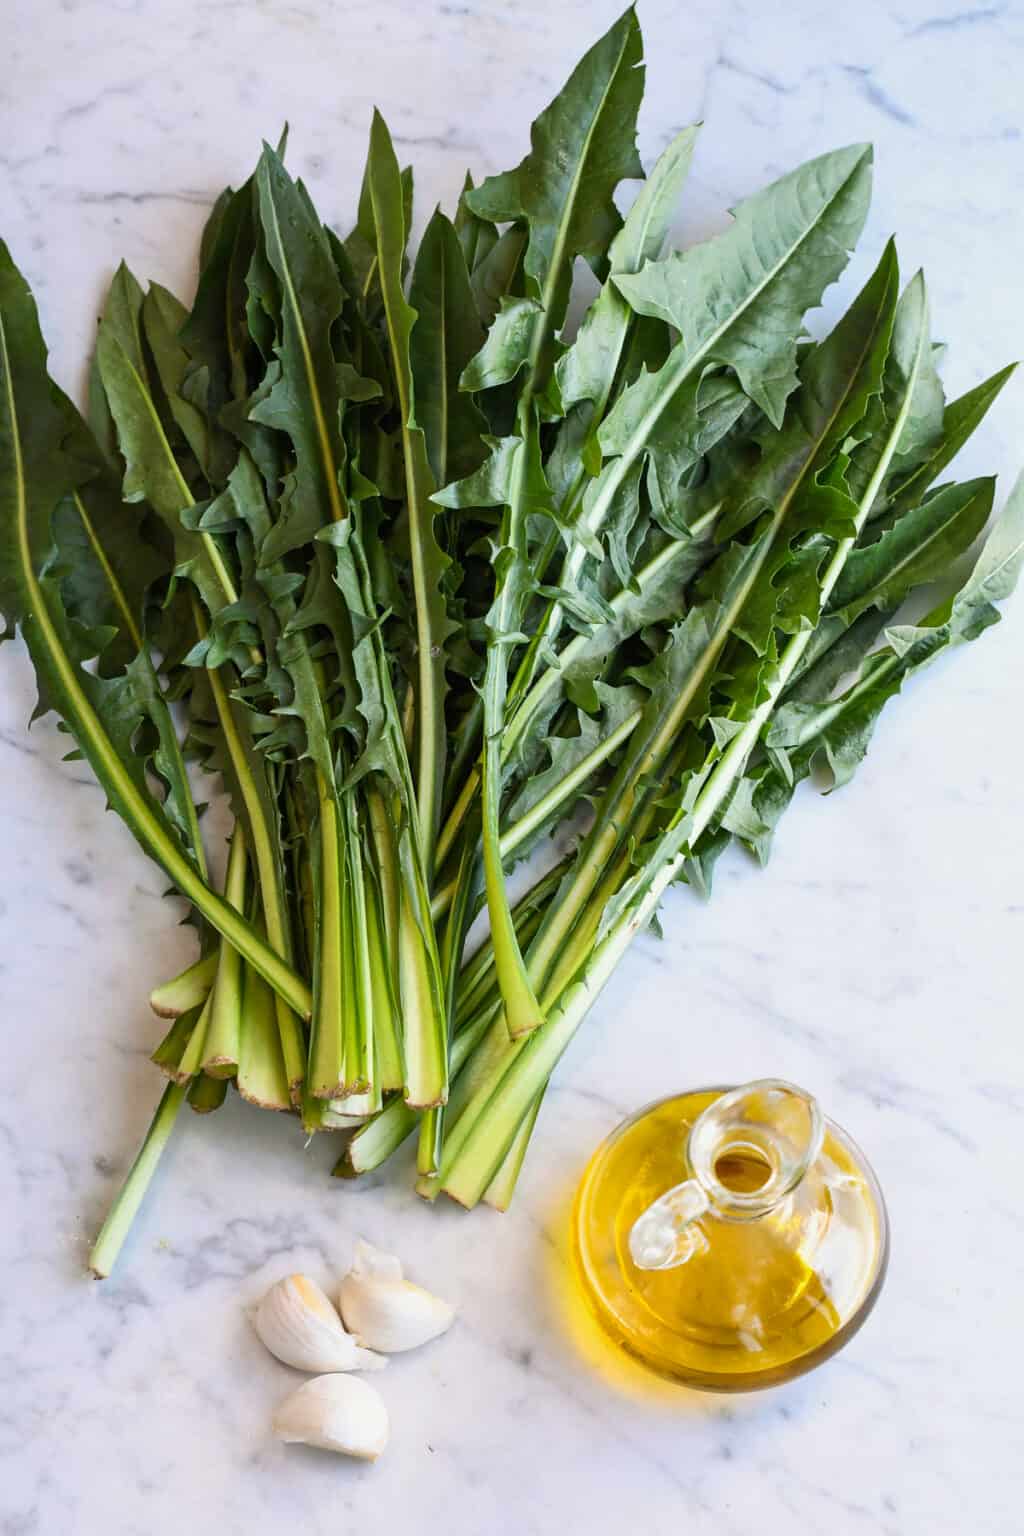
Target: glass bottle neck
(750, 1149)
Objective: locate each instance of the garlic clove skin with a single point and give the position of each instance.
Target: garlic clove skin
(298, 1324)
(385, 1311)
(335, 1413)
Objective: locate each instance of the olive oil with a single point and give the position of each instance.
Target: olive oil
(760, 1294)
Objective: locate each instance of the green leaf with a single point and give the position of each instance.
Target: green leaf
(104, 561)
(360, 245)
(152, 472)
(499, 275)
(921, 436)
(477, 236)
(162, 320)
(213, 226)
(444, 338)
(653, 596)
(959, 420)
(110, 555)
(305, 400)
(841, 379)
(582, 146)
(588, 372)
(906, 412)
(840, 729)
(992, 580)
(507, 347)
(920, 547)
(841, 382)
(588, 369)
(101, 423)
(34, 475)
(738, 300)
(887, 416)
(678, 681)
(216, 334)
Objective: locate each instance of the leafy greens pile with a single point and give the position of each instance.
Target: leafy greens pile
(415, 570)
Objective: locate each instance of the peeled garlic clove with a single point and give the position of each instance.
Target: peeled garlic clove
(384, 1310)
(371, 1262)
(336, 1413)
(298, 1324)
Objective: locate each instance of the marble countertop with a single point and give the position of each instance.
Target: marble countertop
(876, 961)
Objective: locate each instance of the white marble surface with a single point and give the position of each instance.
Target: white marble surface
(877, 961)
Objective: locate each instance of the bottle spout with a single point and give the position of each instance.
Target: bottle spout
(666, 1235)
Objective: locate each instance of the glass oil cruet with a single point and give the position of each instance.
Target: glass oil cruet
(731, 1239)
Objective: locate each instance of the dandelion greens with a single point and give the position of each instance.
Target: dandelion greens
(440, 582)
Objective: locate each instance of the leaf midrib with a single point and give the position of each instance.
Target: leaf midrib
(331, 475)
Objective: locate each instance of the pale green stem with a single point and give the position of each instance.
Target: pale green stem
(326, 1077)
(564, 791)
(186, 990)
(220, 1049)
(125, 1207)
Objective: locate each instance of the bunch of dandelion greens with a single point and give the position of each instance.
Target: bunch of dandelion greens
(416, 570)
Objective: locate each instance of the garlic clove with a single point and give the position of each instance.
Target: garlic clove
(335, 1413)
(371, 1262)
(385, 1311)
(298, 1324)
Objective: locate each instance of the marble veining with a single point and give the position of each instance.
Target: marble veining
(875, 961)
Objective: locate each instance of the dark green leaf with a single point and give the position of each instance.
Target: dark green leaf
(919, 548)
(445, 336)
(582, 146)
